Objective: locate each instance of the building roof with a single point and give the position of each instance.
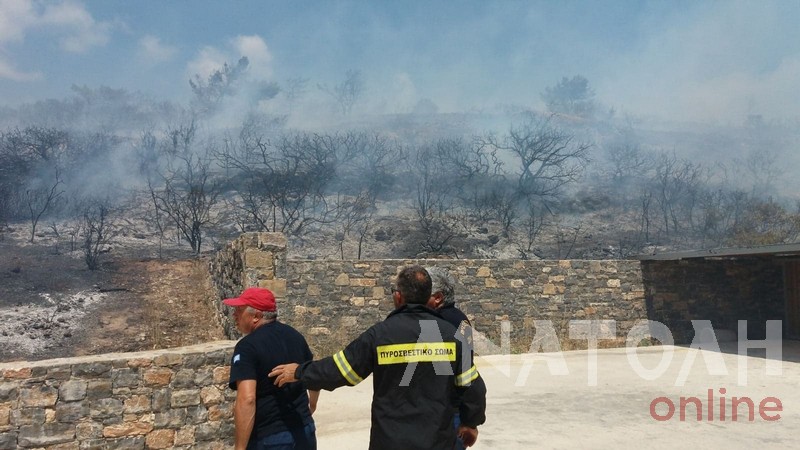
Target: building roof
(778, 250)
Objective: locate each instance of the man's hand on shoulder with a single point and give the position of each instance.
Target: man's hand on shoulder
(284, 373)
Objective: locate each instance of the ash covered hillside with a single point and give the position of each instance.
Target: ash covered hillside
(568, 181)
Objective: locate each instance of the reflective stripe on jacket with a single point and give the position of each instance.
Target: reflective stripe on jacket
(418, 365)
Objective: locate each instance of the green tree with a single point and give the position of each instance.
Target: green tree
(571, 96)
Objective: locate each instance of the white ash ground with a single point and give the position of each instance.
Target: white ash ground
(29, 329)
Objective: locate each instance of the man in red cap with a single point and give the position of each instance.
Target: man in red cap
(267, 416)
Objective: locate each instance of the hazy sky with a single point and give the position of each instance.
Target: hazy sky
(707, 60)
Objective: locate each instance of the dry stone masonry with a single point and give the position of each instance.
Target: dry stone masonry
(175, 398)
(254, 259)
(332, 301)
(722, 291)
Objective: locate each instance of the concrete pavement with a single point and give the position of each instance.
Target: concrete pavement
(568, 405)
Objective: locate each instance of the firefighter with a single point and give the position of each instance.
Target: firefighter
(418, 366)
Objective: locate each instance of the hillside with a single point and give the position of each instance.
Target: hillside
(153, 204)
(52, 306)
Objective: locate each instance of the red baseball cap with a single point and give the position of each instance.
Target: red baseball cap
(261, 299)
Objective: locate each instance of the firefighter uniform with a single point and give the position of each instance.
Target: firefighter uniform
(418, 365)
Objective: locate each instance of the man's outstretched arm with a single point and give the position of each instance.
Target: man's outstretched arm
(347, 367)
(315, 375)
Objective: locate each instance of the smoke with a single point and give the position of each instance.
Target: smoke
(714, 62)
(683, 63)
(152, 51)
(708, 61)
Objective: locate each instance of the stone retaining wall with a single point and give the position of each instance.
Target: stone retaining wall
(175, 398)
(331, 302)
(253, 259)
(722, 291)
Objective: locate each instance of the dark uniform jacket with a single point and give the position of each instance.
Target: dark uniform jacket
(455, 316)
(418, 365)
(458, 319)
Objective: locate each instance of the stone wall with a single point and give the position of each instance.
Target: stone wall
(175, 398)
(254, 259)
(331, 302)
(723, 291)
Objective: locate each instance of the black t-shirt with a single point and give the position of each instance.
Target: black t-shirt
(277, 409)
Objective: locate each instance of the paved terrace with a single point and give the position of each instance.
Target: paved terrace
(575, 410)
